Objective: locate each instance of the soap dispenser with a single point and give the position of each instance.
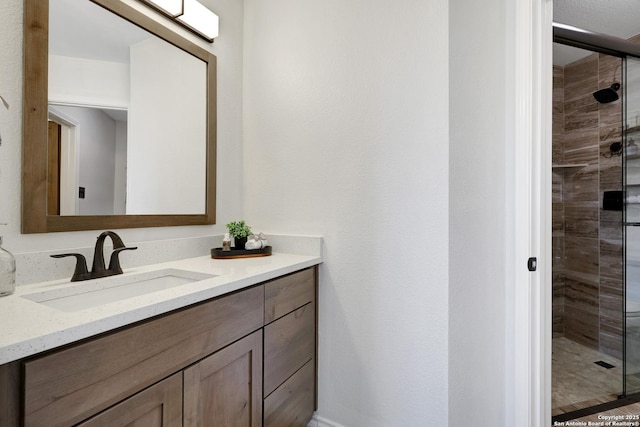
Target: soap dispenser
(7, 271)
(226, 243)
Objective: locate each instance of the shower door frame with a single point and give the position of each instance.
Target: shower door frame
(613, 46)
(630, 62)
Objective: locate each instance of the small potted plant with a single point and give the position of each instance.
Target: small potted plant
(240, 231)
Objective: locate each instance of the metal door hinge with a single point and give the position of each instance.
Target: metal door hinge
(532, 264)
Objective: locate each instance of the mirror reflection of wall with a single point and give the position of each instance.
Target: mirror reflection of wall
(166, 172)
(100, 64)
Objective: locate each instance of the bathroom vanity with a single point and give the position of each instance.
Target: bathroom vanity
(227, 342)
(243, 354)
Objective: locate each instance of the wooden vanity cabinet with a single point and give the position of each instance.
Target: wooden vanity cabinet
(244, 359)
(224, 389)
(70, 385)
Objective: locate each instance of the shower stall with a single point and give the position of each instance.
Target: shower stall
(596, 222)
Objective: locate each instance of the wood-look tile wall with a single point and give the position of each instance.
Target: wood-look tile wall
(557, 215)
(587, 240)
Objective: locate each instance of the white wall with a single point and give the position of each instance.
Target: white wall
(345, 135)
(227, 48)
(478, 171)
(353, 97)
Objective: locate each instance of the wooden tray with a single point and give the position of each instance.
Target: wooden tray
(218, 253)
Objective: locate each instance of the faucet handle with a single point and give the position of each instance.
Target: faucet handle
(114, 261)
(81, 272)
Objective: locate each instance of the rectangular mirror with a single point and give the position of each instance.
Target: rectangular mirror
(119, 120)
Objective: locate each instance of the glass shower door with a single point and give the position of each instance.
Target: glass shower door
(631, 143)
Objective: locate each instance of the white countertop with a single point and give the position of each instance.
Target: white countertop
(29, 327)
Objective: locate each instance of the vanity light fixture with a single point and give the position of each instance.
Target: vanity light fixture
(199, 19)
(191, 14)
(171, 8)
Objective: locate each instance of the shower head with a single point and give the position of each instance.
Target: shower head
(610, 94)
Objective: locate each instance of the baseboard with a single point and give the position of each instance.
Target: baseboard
(318, 421)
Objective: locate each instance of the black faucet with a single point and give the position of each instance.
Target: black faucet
(98, 269)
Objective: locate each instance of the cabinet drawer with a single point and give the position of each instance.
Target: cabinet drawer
(291, 404)
(289, 343)
(67, 386)
(288, 293)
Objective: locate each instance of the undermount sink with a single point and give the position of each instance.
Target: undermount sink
(93, 293)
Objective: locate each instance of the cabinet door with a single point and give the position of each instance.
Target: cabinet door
(158, 406)
(10, 394)
(225, 389)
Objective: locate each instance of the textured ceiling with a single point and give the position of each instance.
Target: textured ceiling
(620, 18)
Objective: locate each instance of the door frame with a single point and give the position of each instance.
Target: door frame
(69, 160)
(529, 397)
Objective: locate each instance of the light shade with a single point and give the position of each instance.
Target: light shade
(170, 7)
(200, 19)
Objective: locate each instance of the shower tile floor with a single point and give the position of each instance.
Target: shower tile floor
(633, 409)
(577, 382)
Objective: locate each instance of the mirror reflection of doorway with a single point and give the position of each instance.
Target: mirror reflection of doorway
(53, 169)
(62, 164)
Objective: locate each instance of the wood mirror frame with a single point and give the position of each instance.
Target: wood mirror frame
(35, 116)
